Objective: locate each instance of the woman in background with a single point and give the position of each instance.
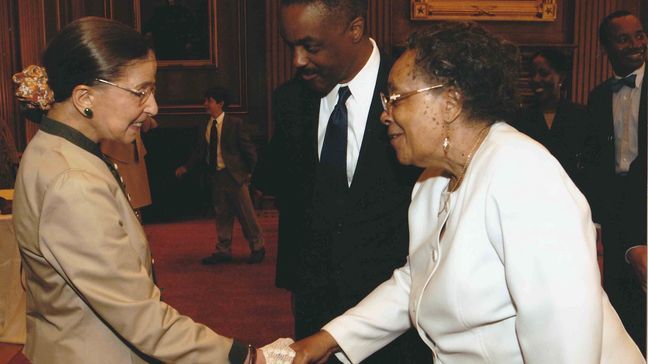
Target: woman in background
(86, 260)
(563, 127)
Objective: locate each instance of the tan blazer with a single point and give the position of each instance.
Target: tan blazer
(90, 296)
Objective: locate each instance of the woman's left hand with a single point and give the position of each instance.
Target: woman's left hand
(315, 349)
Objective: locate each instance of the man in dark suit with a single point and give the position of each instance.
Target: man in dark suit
(229, 156)
(618, 107)
(342, 195)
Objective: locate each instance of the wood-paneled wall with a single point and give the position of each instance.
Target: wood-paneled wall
(253, 60)
(239, 65)
(180, 90)
(8, 112)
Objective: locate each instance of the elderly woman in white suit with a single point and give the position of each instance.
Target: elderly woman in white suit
(502, 260)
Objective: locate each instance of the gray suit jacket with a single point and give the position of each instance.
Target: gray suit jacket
(87, 266)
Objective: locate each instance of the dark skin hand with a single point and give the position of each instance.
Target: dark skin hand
(637, 259)
(315, 349)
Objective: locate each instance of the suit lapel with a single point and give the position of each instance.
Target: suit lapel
(375, 135)
(311, 122)
(641, 127)
(606, 132)
(225, 129)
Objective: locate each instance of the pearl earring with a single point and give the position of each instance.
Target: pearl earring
(87, 112)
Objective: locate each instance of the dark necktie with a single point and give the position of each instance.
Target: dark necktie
(213, 146)
(334, 149)
(617, 84)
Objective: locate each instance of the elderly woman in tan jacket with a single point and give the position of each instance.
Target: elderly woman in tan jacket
(86, 260)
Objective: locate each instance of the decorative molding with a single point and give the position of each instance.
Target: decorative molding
(529, 10)
(242, 61)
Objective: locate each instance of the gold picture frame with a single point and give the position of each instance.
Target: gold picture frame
(485, 10)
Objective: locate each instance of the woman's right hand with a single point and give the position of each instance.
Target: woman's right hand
(315, 349)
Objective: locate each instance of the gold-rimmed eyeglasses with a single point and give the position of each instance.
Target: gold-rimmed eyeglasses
(142, 94)
(388, 101)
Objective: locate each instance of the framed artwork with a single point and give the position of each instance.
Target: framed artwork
(487, 10)
(183, 32)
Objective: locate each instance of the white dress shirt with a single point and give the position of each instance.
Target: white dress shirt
(362, 88)
(220, 162)
(625, 108)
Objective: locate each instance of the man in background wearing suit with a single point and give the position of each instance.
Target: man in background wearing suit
(342, 195)
(618, 107)
(229, 156)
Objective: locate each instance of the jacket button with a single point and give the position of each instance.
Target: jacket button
(435, 255)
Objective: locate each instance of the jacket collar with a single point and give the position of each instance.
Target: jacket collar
(70, 134)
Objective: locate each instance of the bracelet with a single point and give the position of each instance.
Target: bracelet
(252, 352)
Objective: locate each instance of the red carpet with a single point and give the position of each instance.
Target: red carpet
(235, 299)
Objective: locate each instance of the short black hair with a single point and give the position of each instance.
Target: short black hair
(605, 24)
(349, 9)
(218, 94)
(483, 67)
(557, 59)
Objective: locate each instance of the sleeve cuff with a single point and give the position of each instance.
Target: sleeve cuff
(238, 352)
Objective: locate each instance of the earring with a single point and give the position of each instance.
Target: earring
(446, 139)
(87, 112)
(446, 145)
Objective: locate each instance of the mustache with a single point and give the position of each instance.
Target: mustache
(307, 71)
(641, 49)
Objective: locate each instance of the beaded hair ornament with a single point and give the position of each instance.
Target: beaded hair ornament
(32, 88)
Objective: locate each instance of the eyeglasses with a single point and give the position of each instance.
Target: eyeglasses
(388, 101)
(142, 94)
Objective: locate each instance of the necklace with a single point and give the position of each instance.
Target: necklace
(454, 183)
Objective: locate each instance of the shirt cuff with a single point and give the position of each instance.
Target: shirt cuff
(238, 352)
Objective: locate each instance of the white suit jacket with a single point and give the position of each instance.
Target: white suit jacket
(87, 265)
(513, 279)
